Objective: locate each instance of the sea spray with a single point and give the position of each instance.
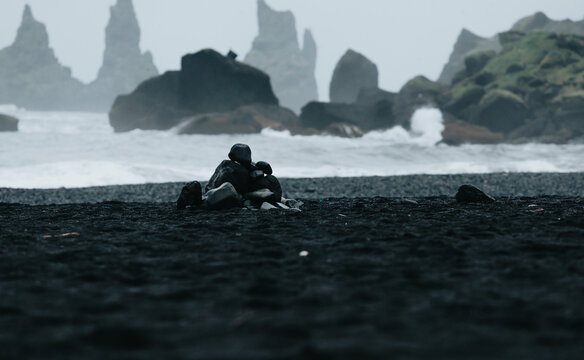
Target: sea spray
(54, 149)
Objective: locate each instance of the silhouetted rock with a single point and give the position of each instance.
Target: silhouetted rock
(211, 82)
(190, 195)
(352, 73)
(231, 172)
(276, 51)
(8, 123)
(31, 76)
(154, 105)
(208, 82)
(471, 194)
(124, 65)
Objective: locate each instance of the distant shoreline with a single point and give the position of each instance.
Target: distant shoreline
(404, 186)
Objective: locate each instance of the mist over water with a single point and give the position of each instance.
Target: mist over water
(58, 149)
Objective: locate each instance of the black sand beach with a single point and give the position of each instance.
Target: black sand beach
(394, 268)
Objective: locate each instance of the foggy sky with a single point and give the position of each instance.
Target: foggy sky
(404, 39)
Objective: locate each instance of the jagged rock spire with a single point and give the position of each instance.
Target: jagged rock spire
(309, 49)
(124, 65)
(31, 33)
(30, 73)
(276, 51)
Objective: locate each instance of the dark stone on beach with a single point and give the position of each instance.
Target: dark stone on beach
(8, 123)
(191, 195)
(265, 167)
(208, 82)
(471, 194)
(352, 73)
(271, 183)
(240, 153)
(231, 172)
(267, 206)
(260, 196)
(223, 197)
(256, 174)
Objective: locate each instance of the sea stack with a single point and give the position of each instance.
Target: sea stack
(276, 51)
(30, 74)
(352, 73)
(124, 65)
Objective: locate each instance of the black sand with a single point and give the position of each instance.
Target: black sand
(385, 277)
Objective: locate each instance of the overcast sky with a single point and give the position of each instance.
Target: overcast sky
(404, 38)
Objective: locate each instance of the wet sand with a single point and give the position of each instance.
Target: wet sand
(387, 268)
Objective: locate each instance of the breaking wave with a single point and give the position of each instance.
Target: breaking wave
(57, 149)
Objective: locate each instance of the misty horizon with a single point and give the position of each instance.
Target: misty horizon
(417, 50)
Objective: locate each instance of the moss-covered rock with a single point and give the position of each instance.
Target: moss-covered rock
(535, 76)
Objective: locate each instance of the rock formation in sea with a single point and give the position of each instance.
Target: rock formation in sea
(207, 83)
(8, 123)
(276, 51)
(124, 65)
(32, 77)
(468, 43)
(374, 109)
(532, 90)
(30, 73)
(352, 73)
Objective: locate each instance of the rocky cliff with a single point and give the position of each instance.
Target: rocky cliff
(30, 74)
(469, 43)
(276, 51)
(124, 65)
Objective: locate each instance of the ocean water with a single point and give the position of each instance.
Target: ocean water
(62, 149)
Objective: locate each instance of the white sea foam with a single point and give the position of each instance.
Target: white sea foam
(55, 149)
